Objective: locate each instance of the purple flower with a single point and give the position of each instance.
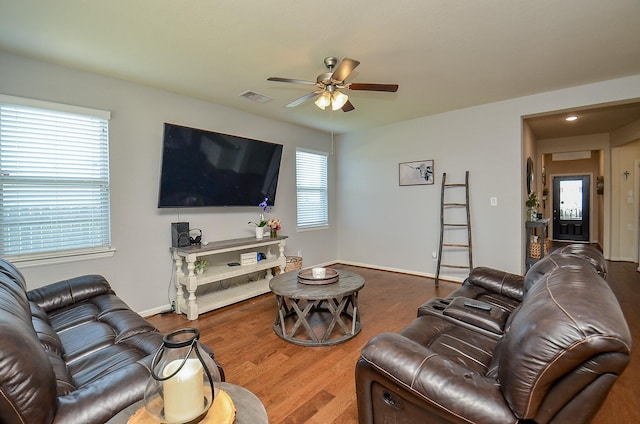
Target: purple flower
(265, 207)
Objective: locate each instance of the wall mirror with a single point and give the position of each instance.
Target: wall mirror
(529, 175)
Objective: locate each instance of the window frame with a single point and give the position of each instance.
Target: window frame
(325, 190)
(29, 259)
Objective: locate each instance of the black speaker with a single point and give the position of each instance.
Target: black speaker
(180, 234)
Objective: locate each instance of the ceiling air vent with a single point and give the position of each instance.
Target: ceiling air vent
(256, 97)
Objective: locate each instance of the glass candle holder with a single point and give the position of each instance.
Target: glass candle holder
(184, 379)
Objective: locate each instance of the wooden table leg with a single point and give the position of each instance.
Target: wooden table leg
(336, 311)
(302, 319)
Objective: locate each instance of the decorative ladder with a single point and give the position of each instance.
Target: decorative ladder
(445, 224)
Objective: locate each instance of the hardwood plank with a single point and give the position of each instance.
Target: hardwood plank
(316, 385)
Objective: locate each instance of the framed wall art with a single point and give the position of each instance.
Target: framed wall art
(416, 173)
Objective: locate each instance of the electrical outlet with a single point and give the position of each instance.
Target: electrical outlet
(494, 201)
(434, 255)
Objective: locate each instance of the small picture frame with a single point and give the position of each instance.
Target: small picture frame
(416, 173)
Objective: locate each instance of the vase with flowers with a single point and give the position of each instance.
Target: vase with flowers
(262, 222)
(532, 206)
(275, 225)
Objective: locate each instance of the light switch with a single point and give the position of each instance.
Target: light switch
(494, 201)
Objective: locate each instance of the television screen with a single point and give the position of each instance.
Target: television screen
(204, 168)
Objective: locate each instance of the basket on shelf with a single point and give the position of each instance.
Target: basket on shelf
(534, 248)
(293, 263)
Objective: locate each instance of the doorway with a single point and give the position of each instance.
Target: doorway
(571, 210)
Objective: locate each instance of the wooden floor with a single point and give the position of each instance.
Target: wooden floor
(316, 384)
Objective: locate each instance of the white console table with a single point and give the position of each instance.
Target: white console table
(192, 305)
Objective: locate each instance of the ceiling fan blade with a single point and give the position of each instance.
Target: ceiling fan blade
(295, 81)
(348, 107)
(390, 88)
(303, 99)
(344, 69)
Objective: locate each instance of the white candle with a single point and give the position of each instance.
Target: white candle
(184, 392)
(318, 272)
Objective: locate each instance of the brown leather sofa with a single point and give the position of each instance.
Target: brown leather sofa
(543, 348)
(70, 352)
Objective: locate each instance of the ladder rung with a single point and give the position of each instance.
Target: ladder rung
(455, 185)
(455, 204)
(455, 225)
(456, 266)
(455, 245)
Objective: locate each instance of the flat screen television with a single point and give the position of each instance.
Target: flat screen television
(205, 168)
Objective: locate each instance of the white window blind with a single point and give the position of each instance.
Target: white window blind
(311, 184)
(54, 180)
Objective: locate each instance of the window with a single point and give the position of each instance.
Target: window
(54, 179)
(311, 185)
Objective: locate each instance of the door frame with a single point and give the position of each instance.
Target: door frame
(636, 196)
(591, 198)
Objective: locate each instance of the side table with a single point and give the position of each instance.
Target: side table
(532, 228)
(249, 409)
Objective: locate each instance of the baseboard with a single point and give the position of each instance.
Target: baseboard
(154, 311)
(400, 271)
(622, 259)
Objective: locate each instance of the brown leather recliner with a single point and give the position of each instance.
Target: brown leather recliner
(70, 352)
(550, 358)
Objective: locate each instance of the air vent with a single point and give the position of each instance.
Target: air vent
(256, 97)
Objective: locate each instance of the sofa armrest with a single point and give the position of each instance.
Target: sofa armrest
(444, 388)
(500, 282)
(477, 314)
(67, 292)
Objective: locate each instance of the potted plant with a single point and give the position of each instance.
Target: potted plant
(200, 266)
(532, 206)
(262, 222)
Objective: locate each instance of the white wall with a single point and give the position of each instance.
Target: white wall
(141, 269)
(395, 227)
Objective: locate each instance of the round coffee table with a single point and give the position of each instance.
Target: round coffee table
(317, 314)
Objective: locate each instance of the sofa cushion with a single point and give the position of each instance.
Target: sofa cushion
(69, 292)
(587, 252)
(555, 332)
(64, 381)
(9, 270)
(47, 335)
(496, 281)
(460, 345)
(541, 269)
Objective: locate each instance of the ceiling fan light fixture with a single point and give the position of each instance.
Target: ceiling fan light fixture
(323, 100)
(338, 100)
(329, 82)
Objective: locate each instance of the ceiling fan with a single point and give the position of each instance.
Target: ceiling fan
(330, 83)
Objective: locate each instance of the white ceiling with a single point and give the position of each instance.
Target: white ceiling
(444, 54)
